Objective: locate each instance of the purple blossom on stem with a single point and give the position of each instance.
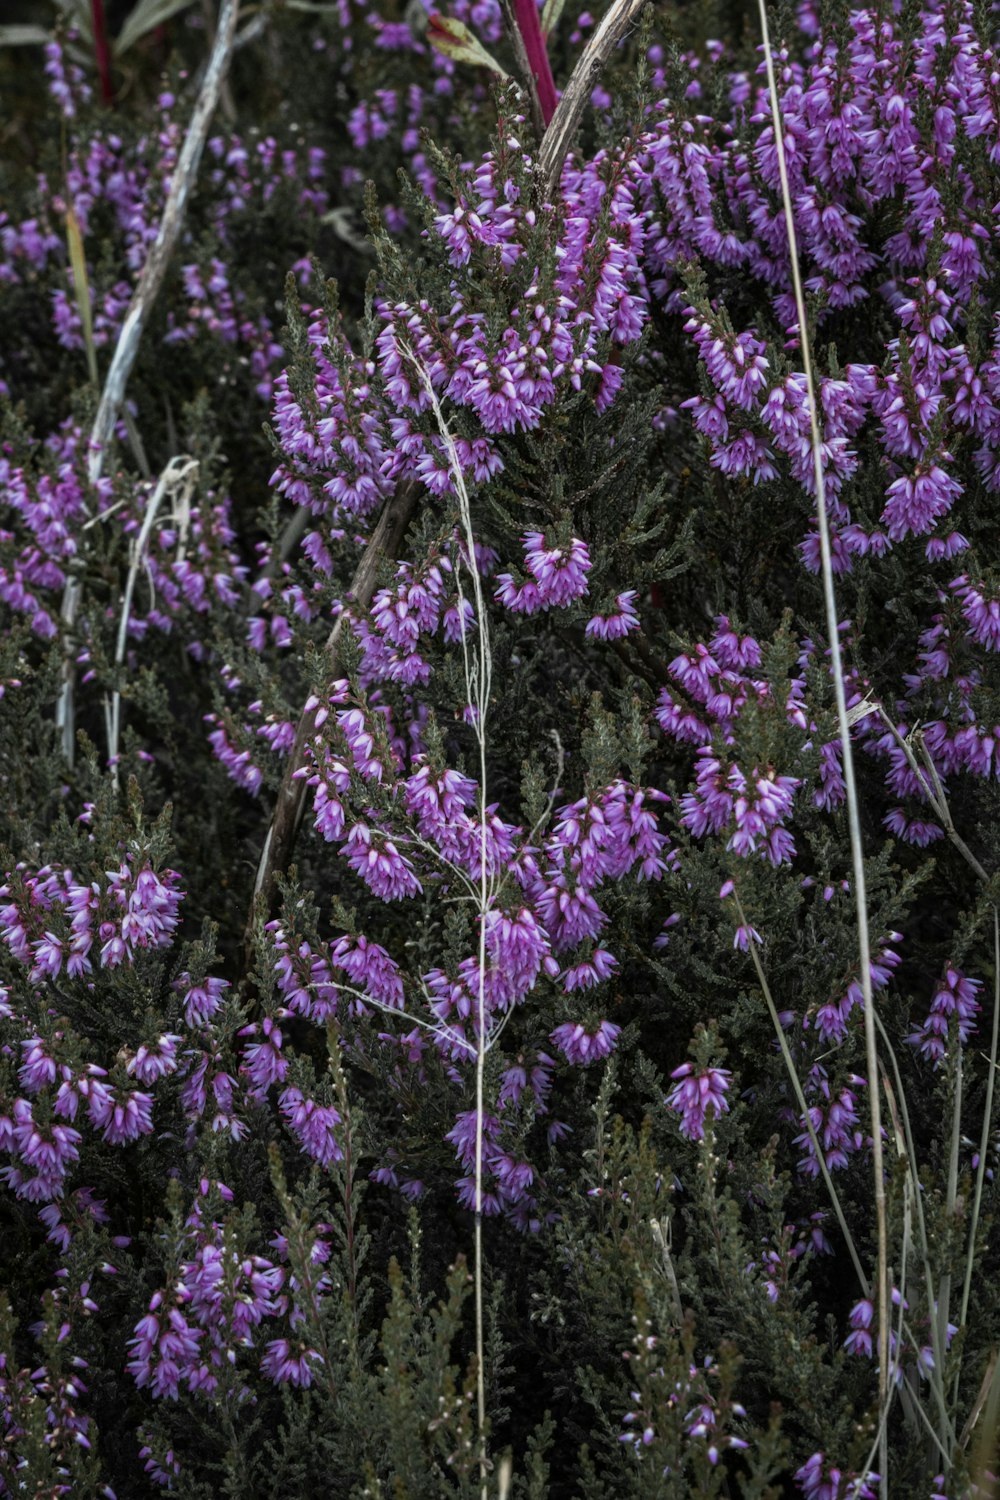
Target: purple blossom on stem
(955, 999)
(696, 1091)
(621, 622)
(581, 1044)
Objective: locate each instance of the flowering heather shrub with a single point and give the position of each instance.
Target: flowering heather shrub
(453, 844)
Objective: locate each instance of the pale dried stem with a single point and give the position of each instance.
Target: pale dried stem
(825, 1170)
(178, 474)
(478, 680)
(522, 64)
(130, 335)
(984, 1139)
(558, 138)
(930, 780)
(853, 809)
(800, 1099)
(289, 806)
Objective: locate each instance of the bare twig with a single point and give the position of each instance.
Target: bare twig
(522, 64)
(930, 780)
(478, 679)
(177, 476)
(853, 809)
(559, 136)
(288, 809)
(984, 1139)
(130, 336)
(820, 1154)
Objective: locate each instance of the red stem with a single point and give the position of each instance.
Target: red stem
(530, 27)
(102, 52)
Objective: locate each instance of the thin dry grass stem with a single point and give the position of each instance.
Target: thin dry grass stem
(984, 1461)
(613, 27)
(984, 1138)
(835, 1197)
(800, 1097)
(853, 810)
(936, 796)
(478, 681)
(176, 483)
(130, 335)
(927, 774)
(945, 1437)
(662, 1233)
(896, 1371)
(978, 1405)
(437, 1029)
(942, 1308)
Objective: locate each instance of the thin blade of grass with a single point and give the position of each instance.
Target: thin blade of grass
(130, 334)
(146, 16)
(984, 1137)
(81, 288)
(858, 889)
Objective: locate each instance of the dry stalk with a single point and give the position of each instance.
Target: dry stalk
(478, 682)
(289, 806)
(130, 336)
(522, 64)
(558, 138)
(853, 810)
(176, 481)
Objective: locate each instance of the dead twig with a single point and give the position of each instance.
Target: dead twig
(130, 336)
(290, 803)
(558, 138)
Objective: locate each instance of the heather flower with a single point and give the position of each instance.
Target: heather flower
(263, 1062)
(835, 1123)
(859, 1340)
(165, 1347)
(288, 1363)
(37, 1068)
(558, 576)
(121, 1116)
(462, 1135)
(375, 857)
(590, 971)
(956, 997)
(200, 1001)
(819, 1480)
(156, 1061)
(696, 1091)
(313, 1124)
(916, 502)
(621, 622)
(581, 1044)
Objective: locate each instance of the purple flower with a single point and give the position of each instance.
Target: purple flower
(375, 857)
(121, 1117)
(619, 623)
(290, 1364)
(835, 1123)
(581, 1044)
(590, 971)
(819, 1480)
(263, 1063)
(155, 1061)
(955, 997)
(917, 501)
(697, 1090)
(859, 1340)
(558, 576)
(200, 1001)
(314, 1125)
